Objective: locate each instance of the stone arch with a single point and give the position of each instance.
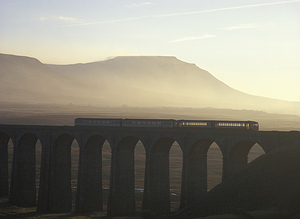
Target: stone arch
(4, 138)
(162, 145)
(89, 187)
(4, 182)
(238, 156)
(60, 191)
(106, 169)
(23, 182)
(241, 149)
(127, 143)
(255, 151)
(200, 147)
(214, 165)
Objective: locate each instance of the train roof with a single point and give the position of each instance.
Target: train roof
(151, 119)
(126, 119)
(100, 118)
(185, 120)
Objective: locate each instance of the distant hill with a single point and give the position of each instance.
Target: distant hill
(134, 81)
(271, 182)
(27, 80)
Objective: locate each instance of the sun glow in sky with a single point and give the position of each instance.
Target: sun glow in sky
(251, 45)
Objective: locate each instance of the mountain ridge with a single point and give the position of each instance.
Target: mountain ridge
(133, 80)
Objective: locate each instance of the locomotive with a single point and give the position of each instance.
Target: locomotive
(167, 123)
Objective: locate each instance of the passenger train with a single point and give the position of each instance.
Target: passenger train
(167, 123)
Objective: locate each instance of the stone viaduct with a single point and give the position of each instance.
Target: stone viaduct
(54, 193)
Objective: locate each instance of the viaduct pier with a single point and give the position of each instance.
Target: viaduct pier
(54, 194)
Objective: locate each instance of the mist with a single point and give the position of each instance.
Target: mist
(138, 81)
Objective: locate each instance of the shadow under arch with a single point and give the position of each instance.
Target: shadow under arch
(4, 182)
(89, 185)
(238, 157)
(196, 171)
(23, 181)
(60, 191)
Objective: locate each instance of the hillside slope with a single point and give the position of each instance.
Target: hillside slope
(170, 82)
(269, 182)
(135, 81)
(27, 80)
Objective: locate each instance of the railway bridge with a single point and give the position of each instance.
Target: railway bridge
(54, 192)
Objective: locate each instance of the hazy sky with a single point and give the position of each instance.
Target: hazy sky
(251, 45)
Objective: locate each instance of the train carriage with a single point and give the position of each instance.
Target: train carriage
(248, 125)
(98, 122)
(149, 123)
(168, 123)
(194, 124)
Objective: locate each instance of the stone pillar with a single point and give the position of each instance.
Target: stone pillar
(237, 158)
(234, 165)
(4, 165)
(23, 185)
(89, 188)
(158, 183)
(122, 191)
(183, 197)
(195, 172)
(195, 179)
(44, 188)
(60, 193)
(145, 204)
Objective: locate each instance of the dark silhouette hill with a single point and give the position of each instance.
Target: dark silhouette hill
(269, 182)
(135, 81)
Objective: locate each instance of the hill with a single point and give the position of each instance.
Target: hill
(135, 81)
(27, 80)
(269, 182)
